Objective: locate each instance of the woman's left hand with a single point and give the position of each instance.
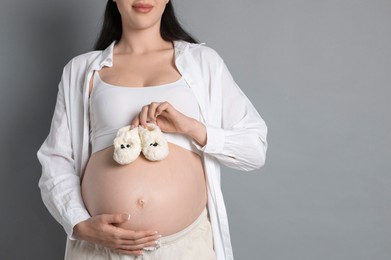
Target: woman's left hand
(170, 120)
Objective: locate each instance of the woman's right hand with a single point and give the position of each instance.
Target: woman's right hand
(102, 229)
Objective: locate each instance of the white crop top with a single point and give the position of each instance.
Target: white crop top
(112, 107)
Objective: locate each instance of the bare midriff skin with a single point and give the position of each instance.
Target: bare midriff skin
(165, 196)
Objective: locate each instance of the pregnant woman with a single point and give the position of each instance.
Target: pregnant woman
(147, 70)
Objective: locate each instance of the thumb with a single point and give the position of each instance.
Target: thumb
(117, 218)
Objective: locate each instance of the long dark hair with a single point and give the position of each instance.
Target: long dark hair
(170, 28)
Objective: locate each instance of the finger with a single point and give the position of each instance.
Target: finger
(144, 241)
(115, 218)
(152, 111)
(116, 242)
(138, 246)
(136, 235)
(130, 252)
(143, 116)
(135, 122)
(164, 106)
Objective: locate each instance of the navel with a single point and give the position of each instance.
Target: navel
(141, 203)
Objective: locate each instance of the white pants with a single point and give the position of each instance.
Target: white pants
(192, 243)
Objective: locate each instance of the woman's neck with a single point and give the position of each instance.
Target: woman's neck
(141, 41)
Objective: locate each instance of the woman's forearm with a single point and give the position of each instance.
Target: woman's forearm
(197, 131)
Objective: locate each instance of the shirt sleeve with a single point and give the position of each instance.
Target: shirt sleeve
(239, 142)
(59, 182)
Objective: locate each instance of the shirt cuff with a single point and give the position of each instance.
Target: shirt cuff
(215, 138)
(76, 216)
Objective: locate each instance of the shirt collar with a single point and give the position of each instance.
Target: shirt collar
(106, 58)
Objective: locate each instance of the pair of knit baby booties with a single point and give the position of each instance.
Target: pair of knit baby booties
(129, 143)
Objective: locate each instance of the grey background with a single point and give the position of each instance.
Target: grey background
(317, 71)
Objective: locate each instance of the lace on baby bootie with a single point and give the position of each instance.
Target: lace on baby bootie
(127, 145)
(153, 143)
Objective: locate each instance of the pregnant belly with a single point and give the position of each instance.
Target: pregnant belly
(164, 196)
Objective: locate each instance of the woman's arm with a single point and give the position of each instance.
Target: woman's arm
(60, 188)
(59, 182)
(239, 140)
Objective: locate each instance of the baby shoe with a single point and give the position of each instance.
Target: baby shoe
(127, 145)
(153, 143)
